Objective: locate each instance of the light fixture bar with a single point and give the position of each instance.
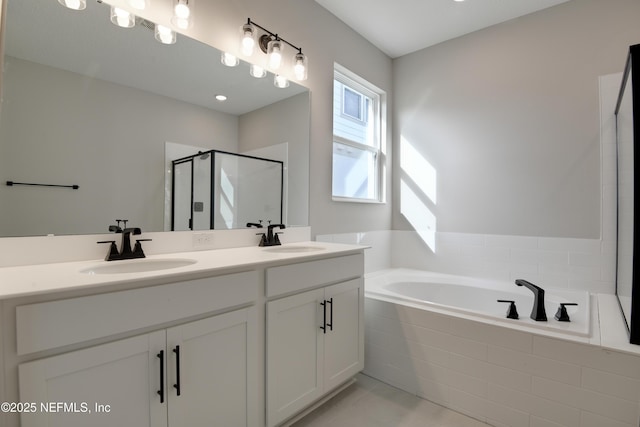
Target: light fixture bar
(275, 36)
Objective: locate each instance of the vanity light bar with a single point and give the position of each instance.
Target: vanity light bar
(272, 45)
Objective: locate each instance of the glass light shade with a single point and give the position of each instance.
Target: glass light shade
(139, 4)
(182, 14)
(274, 53)
(248, 40)
(74, 4)
(300, 66)
(165, 35)
(280, 81)
(181, 9)
(257, 71)
(122, 18)
(229, 60)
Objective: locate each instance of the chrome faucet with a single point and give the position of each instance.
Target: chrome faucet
(538, 312)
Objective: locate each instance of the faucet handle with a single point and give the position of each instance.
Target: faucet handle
(276, 239)
(561, 314)
(263, 239)
(137, 249)
(512, 312)
(113, 250)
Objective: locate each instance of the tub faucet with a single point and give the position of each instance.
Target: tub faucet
(538, 312)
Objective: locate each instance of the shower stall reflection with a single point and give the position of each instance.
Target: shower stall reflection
(221, 190)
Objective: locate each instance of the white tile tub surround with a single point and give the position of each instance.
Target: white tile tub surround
(377, 256)
(501, 376)
(584, 264)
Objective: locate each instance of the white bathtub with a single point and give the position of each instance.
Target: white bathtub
(477, 299)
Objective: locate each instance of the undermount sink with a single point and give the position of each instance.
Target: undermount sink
(137, 266)
(294, 249)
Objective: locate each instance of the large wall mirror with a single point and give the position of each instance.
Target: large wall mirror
(628, 251)
(107, 109)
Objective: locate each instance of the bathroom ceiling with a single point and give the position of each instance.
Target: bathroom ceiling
(400, 27)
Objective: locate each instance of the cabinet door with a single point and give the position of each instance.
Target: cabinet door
(209, 362)
(122, 376)
(294, 354)
(344, 340)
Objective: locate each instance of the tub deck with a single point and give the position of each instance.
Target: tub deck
(476, 299)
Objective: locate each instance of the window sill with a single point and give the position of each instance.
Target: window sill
(353, 200)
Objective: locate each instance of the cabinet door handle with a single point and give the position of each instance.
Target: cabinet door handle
(177, 384)
(161, 391)
(324, 317)
(330, 325)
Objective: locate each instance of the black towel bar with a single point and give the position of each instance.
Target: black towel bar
(12, 183)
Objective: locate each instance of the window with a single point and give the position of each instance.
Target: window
(357, 147)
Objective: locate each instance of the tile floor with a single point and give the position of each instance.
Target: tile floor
(371, 403)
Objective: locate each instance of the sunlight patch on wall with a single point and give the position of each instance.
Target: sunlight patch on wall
(416, 167)
(417, 188)
(418, 214)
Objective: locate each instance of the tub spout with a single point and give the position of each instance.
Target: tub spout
(538, 312)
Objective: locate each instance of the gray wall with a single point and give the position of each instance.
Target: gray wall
(126, 150)
(509, 118)
(257, 130)
(325, 40)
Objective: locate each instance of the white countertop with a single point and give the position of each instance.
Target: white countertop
(65, 276)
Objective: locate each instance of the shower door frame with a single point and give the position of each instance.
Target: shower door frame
(213, 153)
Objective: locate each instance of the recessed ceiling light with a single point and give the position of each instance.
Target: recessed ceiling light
(221, 97)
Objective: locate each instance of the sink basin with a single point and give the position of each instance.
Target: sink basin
(138, 266)
(294, 249)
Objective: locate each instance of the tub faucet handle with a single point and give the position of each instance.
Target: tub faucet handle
(561, 314)
(512, 312)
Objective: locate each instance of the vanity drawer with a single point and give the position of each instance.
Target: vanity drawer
(55, 324)
(305, 275)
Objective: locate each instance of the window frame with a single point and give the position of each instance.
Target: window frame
(362, 105)
(366, 90)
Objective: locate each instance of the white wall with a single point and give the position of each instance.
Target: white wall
(508, 117)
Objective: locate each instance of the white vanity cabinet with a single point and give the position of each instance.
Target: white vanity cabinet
(315, 338)
(197, 373)
(250, 336)
(189, 375)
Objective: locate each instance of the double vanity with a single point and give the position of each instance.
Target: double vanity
(244, 336)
